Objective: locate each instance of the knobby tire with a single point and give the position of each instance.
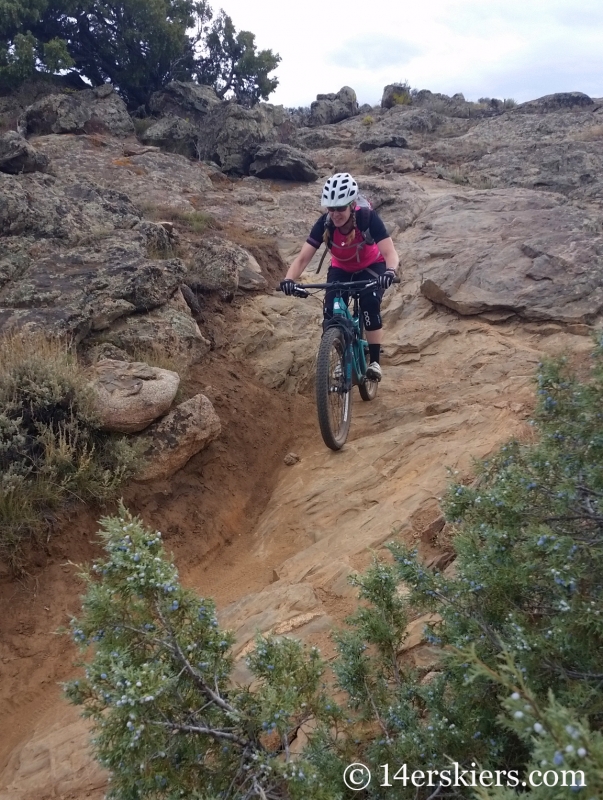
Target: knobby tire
(334, 405)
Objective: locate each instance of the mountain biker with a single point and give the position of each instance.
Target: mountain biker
(355, 255)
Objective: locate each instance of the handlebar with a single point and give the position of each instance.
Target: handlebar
(301, 288)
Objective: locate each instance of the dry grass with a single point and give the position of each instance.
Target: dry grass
(592, 134)
(125, 162)
(52, 451)
(195, 221)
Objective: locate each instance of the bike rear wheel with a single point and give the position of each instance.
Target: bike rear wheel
(368, 389)
(333, 402)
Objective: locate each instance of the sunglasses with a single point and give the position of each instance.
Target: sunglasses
(333, 209)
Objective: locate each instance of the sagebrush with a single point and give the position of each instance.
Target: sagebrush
(52, 450)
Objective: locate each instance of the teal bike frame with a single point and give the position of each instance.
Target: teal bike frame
(351, 324)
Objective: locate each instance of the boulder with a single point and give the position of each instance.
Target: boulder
(395, 94)
(561, 101)
(129, 396)
(98, 110)
(186, 99)
(17, 155)
(174, 134)
(175, 439)
(216, 266)
(250, 275)
(284, 162)
(382, 140)
(330, 108)
(230, 135)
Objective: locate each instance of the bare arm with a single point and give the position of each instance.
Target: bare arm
(301, 261)
(388, 251)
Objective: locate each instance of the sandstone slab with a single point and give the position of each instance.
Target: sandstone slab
(522, 251)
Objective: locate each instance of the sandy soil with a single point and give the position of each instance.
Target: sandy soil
(204, 513)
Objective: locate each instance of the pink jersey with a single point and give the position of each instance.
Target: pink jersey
(355, 256)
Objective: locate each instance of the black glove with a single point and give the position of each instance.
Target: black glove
(386, 280)
(287, 286)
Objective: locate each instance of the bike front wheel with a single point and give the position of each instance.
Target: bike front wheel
(333, 398)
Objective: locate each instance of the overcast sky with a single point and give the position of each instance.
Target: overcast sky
(520, 49)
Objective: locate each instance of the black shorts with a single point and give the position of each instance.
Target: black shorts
(370, 299)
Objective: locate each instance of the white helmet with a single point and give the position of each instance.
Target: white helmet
(340, 190)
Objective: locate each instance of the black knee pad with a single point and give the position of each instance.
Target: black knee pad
(370, 308)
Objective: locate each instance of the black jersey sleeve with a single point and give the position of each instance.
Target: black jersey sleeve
(377, 228)
(317, 232)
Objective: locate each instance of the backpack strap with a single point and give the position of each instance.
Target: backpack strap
(363, 221)
(322, 258)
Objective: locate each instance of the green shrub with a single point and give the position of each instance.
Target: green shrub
(403, 95)
(368, 120)
(168, 721)
(518, 632)
(52, 451)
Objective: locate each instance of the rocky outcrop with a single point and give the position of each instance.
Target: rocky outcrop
(230, 135)
(382, 140)
(175, 439)
(284, 162)
(335, 107)
(98, 110)
(391, 159)
(185, 99)
(131, 395)
(523, 252)
(169, 331)
(18, 156)
(562, 101)
(322, 138)
(44, 206)
(395, 94)
(174, 134)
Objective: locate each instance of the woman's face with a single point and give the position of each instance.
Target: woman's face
(340, 215)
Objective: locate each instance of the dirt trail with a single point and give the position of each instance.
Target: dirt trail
(204, 512)
(274, 545)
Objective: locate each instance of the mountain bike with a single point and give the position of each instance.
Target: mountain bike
(343, 356)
